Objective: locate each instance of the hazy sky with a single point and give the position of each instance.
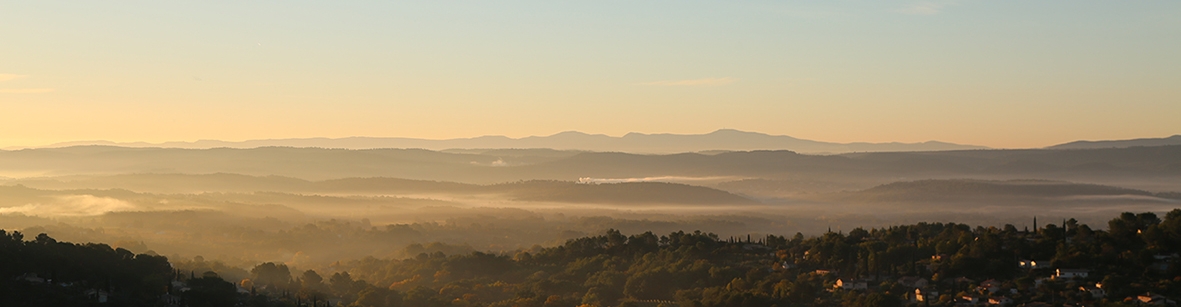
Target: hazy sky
(994, 73)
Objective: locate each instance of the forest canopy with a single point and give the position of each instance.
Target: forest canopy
(864, 267)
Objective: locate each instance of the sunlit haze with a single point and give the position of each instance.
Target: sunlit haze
(1001, 74)
(590, 153)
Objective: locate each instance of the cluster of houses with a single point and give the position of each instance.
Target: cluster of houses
(95, 295)
(995, 293)
(101, 296)
(987, 293)
(179, 286)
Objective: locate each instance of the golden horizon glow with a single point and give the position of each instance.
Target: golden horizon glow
(1002, 75)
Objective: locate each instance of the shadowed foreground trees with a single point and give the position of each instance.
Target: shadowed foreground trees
(1138, 256)
(44, 272)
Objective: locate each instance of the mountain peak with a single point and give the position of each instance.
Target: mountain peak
(1144, 142)
(734, 131)
(570, 132)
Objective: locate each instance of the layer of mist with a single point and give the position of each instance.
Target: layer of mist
(313, 207)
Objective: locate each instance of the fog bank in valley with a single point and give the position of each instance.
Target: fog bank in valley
(311, 208)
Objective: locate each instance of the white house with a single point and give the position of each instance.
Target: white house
(1071, 273)
(967, 300)
(1165, 257)
(850, 284)
(1000, 301)
(31, 277)
(1156, 299)
(923, 295)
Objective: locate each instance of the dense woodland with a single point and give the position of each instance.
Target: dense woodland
(1136, 258)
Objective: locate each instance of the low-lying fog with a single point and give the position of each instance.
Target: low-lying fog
(234, 209)
(315, 230)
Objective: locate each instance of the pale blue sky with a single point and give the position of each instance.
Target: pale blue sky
(994, 73)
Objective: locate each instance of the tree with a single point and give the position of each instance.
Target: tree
(654, 284)
(210, 291)
(378, 297)
(310, 279)
(271, 275)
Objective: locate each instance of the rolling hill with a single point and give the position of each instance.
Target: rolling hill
(725, 139)
(1168, 141)
(1153, 168)
(997, 192)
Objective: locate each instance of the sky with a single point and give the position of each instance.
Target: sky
(1009, 74)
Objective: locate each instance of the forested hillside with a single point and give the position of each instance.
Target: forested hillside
(939, 264)
(44, 272)
(967, 190)
(1105, 166)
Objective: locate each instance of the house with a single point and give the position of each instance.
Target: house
(851, 284)
(1160, 266)
(913, 282)
(179, 286)
(967, 300)
(1071, 273)
(97, 295)
(1000, 301)
(1096, 290)
(1033, 264)
(1160, 257)
(754, 246)
(924, 295)
(961, 280)
(170, 300)
(931, 266)
(1037, 282)
(991, 286)
(31, 277)
(1162, 262)
(1155, 299)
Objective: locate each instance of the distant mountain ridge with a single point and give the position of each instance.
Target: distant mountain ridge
(1153, 168)
(1172, 140)
(724, 140)
(1008, 190)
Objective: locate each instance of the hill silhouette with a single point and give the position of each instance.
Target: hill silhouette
(619, 193)
(1172, 140)
(997, 190)
(1151, 168)
(724, 139)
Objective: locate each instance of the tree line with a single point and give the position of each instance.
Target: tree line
(1136, 255)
